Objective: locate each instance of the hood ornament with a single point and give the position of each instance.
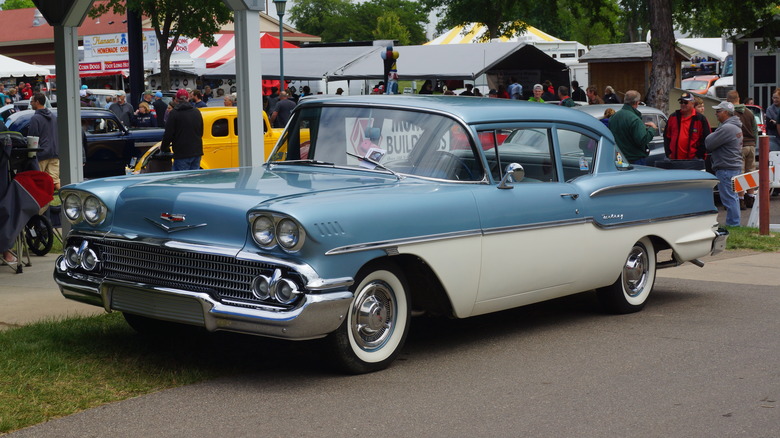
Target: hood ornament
(175, 218)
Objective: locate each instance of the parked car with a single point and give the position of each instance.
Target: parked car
(110, 146)
(699, 84)
(395, 207)
(760, 116)
(220, 141)
(649, 114)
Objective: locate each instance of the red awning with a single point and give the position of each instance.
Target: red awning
(225, 50)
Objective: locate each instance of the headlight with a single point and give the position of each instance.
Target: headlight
(72, 207)
(72, 258)
(287, 233)
(263, 230)
(89, 260)
(94, 210)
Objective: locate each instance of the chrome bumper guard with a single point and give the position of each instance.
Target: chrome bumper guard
(719, 243)
(318, 314)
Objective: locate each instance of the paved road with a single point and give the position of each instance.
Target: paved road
(702, 360)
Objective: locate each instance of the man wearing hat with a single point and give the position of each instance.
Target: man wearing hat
(538, 91)
(184, 133)
(725, 147)
(123, 110)
(160, 107)
(685, 131)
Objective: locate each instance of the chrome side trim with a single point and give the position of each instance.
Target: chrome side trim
(389, 244)
(605, 190)
(653, 220)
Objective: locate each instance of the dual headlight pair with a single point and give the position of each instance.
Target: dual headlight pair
(269, 230)
(82, 206)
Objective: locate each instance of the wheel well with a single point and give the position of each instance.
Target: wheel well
(425, 289)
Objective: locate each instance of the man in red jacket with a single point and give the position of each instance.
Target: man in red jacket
(685, 131)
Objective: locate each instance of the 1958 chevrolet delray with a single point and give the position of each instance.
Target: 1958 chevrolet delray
(391, 205)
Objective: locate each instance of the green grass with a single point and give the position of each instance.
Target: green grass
(743, 238)
(56, 368)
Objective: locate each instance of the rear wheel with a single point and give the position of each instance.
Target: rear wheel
(630, 292)
(377, 322)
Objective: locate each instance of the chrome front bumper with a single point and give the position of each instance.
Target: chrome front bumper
(318, 314)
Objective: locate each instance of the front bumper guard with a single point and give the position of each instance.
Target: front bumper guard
(719, 243)
(318, 314)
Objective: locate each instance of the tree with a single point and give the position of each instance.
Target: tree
(171, 20)
(389, 27)
(662, 72)
(17, 4)
(342, 20)
(502, 18)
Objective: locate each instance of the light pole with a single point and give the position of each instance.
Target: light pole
(280, 6)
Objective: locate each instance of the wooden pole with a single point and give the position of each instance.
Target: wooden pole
(763, 185)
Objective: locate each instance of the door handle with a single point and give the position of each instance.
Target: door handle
(570, 195)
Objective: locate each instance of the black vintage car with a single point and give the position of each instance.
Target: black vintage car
(110, 145)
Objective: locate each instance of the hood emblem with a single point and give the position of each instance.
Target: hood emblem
(172, 217)
(175, 219)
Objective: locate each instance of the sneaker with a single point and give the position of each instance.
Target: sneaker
(742, 204)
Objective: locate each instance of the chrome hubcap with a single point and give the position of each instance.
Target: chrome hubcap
(635, 271)
(373, 315)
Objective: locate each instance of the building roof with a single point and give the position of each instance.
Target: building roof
(624, 52)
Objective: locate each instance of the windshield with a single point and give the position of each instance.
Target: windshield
(391, 140)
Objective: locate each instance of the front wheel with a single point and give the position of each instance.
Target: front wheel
(377, 322)
(629, 292)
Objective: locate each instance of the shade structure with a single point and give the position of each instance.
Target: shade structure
(10, 67)
(464, 62)
(473, 33)
(225, 50)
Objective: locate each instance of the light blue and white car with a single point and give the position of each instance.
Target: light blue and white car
(398, 205)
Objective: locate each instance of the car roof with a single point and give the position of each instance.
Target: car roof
(702, 78)
(472, 110)
(598, 110)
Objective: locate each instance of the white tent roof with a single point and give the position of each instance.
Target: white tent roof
(459, 61)
(306, 63)
(709, 47)
(12, 67)
(472, 33)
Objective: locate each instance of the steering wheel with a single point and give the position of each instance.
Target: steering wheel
(450, 165)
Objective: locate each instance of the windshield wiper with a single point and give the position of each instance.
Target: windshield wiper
(313, 162)
(375, 163)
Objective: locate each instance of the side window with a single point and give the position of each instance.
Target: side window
(529, 147)
(111, 125)
(577, 153)
(220, 128)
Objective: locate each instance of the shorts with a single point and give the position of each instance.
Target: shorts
(748, 158)
(52, 167)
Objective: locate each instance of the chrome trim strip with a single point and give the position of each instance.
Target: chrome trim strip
(653, 220)
(605, 190)
(170, 229)
(392, 244)
(403, 241)
(536, 226)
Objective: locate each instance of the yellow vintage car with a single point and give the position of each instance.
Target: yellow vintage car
(220, 142)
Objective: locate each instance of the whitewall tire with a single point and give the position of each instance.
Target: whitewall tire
(630, 292)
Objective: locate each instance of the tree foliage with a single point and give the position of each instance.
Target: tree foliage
(389, 27)
(342, 20)
(172, 19)
(17, 4)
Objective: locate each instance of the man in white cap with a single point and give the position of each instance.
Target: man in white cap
(123, 110)
(725, 147)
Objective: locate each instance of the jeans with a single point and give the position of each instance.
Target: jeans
(640, 162)
(192, 163)
(728, 197)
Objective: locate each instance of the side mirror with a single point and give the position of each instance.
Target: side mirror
(514, 173)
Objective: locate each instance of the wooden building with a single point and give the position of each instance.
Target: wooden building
(756, 66)
(625, 67)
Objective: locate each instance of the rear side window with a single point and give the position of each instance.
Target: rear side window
(220, 128)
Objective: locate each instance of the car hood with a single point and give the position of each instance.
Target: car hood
(211, 207)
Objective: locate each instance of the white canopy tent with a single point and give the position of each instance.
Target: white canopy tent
(706, 47)
(473, 33)
(10, 67)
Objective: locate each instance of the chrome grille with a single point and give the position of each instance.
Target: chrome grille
(222, 277)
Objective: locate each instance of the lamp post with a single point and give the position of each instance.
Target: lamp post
(280, 6)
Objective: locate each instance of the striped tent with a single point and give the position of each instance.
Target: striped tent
(471, 33)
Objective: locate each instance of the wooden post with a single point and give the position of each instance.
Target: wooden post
(763, 185)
